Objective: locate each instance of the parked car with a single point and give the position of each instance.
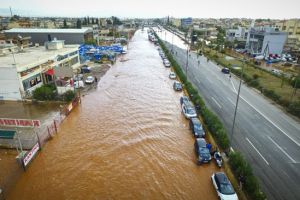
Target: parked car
(188, 110)
(196, 127)
(177, 86)
(225, 70)
(85, 69)
(166, 63)
(184, 99)
(172, 75)
(223, 186)
(78, 77)
(78, 84)
(89, 80)
(203, 154)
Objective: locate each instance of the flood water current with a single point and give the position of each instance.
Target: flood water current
(127, 140)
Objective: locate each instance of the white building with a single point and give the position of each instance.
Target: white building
(27, 69)
(239, 34)
(265, 40)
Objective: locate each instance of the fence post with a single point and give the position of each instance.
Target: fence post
(55, 127)
(50, 136)
(39, 140)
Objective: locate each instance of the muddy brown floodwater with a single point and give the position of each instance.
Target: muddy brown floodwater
(127, 140)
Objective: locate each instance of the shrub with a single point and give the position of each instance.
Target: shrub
(254, 83)
(294, 108)
(44, 93)
(271, 94)
(68, 96)
(255, 76)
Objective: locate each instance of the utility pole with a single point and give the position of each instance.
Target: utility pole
(187, 60)
(237, 102)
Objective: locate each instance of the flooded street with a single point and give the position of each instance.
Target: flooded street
(127, 140)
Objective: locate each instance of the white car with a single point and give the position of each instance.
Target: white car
(172, 75)
(89, 80)
(166, 63)
(78, 84)
(188, 110)
(223, 186)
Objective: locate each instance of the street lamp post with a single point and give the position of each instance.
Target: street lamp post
(237, 102)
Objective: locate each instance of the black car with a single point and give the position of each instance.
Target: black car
(85, 69)
(196, 127)
(225, 70)
(177, 86)
(203, 154)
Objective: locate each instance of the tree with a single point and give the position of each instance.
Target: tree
(84, 21)
(65, 23)
(88, 20)
(78, 23)
(93, 22)
(97, 21)
(116, 21)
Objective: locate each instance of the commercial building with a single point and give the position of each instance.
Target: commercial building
(185, 22)
(292, 27)
(266, 40)
(26, 69)
(70, 36)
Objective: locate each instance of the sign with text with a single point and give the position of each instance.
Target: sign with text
(20, 122)
(28, 157)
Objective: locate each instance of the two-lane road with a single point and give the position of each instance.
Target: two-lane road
(269, 138)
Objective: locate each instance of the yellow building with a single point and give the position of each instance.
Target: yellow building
(291, 26)
(176, 22)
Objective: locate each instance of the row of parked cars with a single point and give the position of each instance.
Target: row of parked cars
(202, 148)
(80, 81)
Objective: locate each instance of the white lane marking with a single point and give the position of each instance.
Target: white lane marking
(271, 122)
(297, 143)
(233, 86)
(283, 151)
(257, 151)
(216, 102)
(230, 101)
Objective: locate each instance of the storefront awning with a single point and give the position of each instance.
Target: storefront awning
(50, 72)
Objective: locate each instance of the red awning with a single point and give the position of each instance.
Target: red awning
(50, 72)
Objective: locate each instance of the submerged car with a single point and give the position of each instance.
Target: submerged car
(223, 186)
(89, 80)
(177, 86)
(78, 84)
(166, 63)
(188, 110)
(196, 127)
(203, 154)
(184, 99)
(172, 75)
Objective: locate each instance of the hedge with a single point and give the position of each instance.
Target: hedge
(240, 167)
(216, 128)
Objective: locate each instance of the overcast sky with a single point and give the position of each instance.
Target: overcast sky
(155, 8)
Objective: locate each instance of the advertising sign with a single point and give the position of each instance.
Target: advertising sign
(28, 157)
(19, 122)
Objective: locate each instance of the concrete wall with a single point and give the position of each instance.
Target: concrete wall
(41, 38)
(9, 84)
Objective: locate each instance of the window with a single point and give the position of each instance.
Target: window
(283, 28)
(32, 81)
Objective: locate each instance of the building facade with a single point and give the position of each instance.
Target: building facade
(266, 41)
(24, 71)
(70, 36)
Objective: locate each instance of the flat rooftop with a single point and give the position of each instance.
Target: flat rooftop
(45, 30)
(33, 56)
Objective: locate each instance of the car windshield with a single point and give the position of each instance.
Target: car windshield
(226, 188)
(198, 128)
(89, 78)
(191, 111)
(204, 151)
